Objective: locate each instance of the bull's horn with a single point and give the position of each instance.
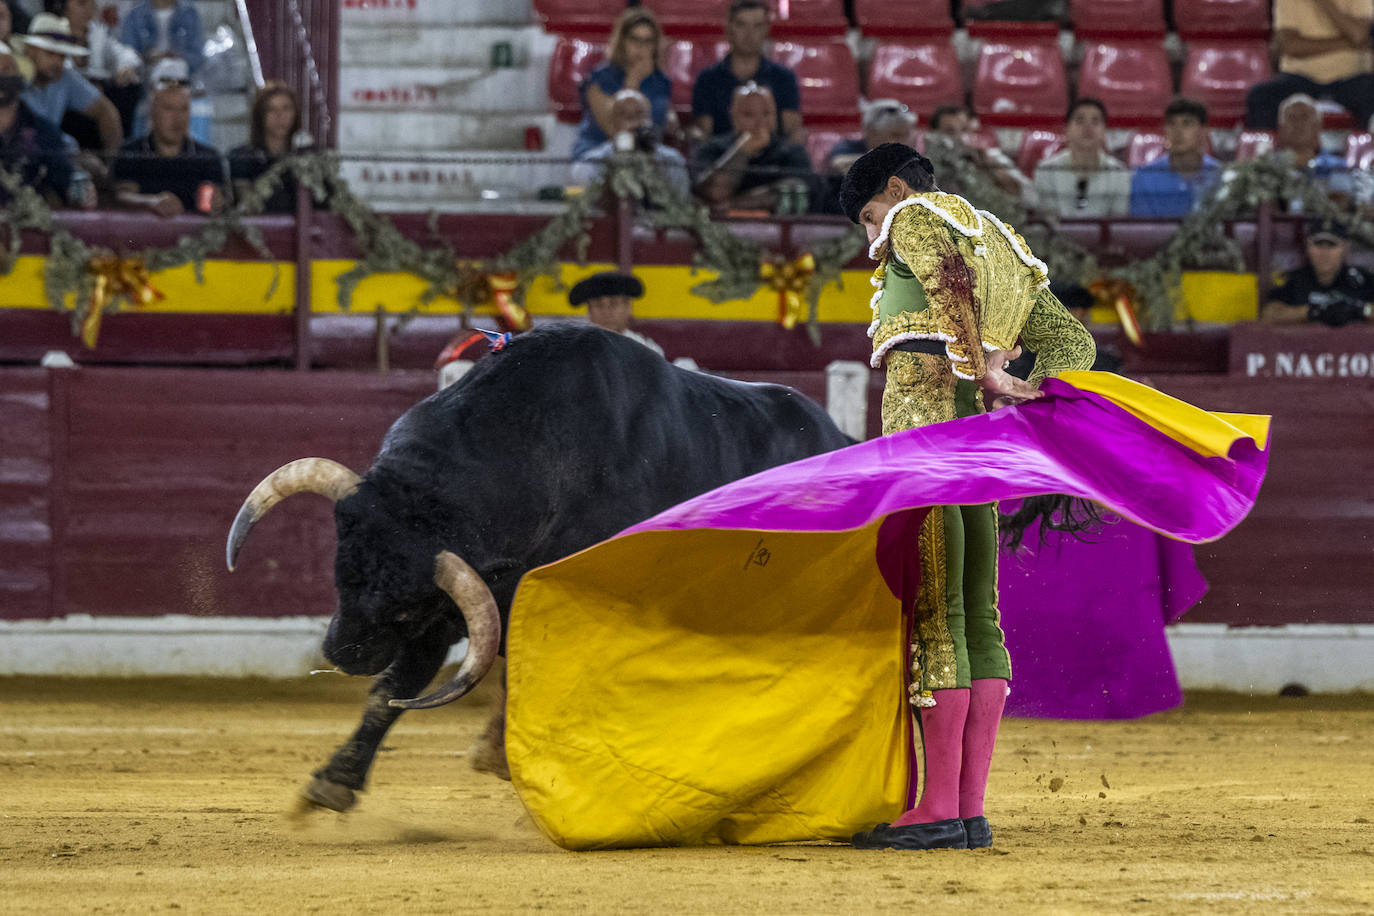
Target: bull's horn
(304, 475)
(475, 600)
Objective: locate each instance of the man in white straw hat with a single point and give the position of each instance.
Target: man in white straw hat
(58, 88)
(29, 145)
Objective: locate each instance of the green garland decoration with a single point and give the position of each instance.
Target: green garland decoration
(636, 176)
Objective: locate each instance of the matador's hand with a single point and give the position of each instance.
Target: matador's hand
(1006, 389)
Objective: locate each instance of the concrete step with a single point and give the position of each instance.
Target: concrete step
(435, 12)
(425, 131)
(442, 89)
(417, 44)
(455, 182)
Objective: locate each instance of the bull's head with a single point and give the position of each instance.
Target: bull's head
(365, 638)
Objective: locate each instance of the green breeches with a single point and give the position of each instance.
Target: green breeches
(957, 635)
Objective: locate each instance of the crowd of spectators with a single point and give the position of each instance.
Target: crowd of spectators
(735, 165)
(98, 114)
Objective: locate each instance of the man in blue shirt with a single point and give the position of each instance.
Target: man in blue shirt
(746, 29)
(58, 89)
(29, 145)
(1171, 186)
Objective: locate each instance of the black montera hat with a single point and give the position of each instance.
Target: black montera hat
(870, 172)
(606, 283)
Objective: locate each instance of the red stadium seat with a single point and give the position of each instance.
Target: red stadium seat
(1222, 19)
(1130, 77)
(1145, 146)
(808, 17)
(1218, 74)
(706, 18)
(573, 58)
(1020, 83)
(1036, 146)
(683, 59)
(892, 18)
(1359, 150)
(1117, 18)
(1253, 144)
(922, 74)
(828, 79)
(819, 143)
(578, 17)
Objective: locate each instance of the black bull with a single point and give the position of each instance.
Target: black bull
(562, 439)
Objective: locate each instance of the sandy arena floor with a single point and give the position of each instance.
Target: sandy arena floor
(156, 795)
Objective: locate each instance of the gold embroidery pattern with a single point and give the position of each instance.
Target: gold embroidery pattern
(919, 391)
(933, 661)
(942, 259)
(1059, 340)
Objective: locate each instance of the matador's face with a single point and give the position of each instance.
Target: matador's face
(874, 213)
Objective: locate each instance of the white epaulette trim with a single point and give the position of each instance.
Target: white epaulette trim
(1028, 259)
(916, 200)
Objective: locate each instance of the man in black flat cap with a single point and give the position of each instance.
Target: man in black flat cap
(609, 297)
(957, 288)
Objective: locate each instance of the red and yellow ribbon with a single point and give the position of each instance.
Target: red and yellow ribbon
(791, 280)
(511, 313)
(1115, 293)
(116, 278)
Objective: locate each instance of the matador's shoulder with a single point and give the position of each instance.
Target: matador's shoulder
(927, 218)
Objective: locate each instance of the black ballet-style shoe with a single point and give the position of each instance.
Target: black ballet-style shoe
(946, 834)
(978, 831)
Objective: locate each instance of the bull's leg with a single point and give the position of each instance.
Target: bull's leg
(488, 752)
(336, 783)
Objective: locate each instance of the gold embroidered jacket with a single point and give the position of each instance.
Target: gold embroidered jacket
(962, 276)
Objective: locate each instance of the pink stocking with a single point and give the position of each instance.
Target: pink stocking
(986, 699)
(942, 742)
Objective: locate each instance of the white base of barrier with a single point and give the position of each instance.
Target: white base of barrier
(1322, 658)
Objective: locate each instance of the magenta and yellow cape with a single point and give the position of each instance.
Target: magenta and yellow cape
(733, 670)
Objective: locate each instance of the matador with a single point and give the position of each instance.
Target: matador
(956, 289)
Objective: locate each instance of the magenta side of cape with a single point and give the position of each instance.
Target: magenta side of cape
(1070, 441)
(1115, 591)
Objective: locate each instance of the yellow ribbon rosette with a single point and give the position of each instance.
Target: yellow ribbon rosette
(115, 278)
(790, 279)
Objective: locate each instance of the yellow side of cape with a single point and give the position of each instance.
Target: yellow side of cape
(607, 750)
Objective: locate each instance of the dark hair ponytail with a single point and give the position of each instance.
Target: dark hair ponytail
(1054, 512)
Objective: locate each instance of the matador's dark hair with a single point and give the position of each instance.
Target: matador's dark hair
(870, 172)
(1054, 512)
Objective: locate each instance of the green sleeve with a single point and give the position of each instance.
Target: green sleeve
(1058, 340)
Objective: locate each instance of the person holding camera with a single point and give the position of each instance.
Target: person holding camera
(632, 129)
(1326, 289)
(753, 167)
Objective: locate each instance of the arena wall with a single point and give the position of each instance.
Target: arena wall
(117, 487)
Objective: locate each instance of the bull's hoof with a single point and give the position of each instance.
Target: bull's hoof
(487, 759)
(321, 793)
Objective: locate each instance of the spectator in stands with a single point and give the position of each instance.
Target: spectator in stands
(1300, 134)
(58, 89)
(884, 121)
(31, 146)
(634, 61)
(1325, 289)
(274, 123)
(1083, 182)
(110, 64)
(165, 28)
(713, 93)
(1174, 183)
(609, 297)
(166, 171)
(1324, 51)
(955, 125)
(749, 168)
(632, 129)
